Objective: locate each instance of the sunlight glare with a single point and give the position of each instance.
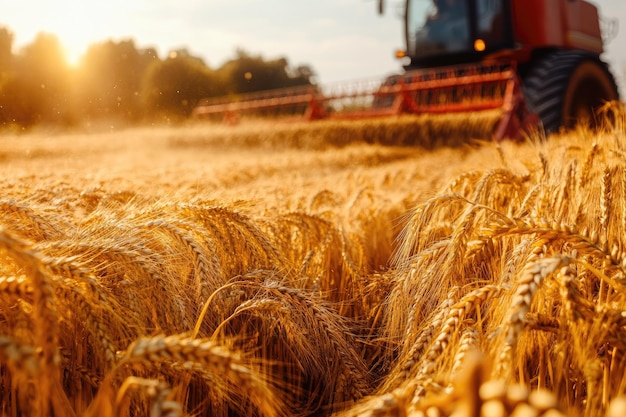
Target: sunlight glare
(77, 25)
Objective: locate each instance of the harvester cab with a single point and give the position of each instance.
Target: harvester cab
(536, 61)
(445, 32)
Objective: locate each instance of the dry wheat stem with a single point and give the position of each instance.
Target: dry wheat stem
(469, 342)
(534, 275)
(208, 302)
(16, 286)
(407, 361)
(46, 228)
(207, 270)
(457, 313)
(420, 216)
(20, 357)
(158, 390)
(226, 365)
(548, 231)
(44, 314)
(585, 169)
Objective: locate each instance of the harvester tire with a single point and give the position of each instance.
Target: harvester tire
(566, 88)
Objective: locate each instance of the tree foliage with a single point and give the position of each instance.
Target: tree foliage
(36, 87)
(175, 85)
(6, 47)
(109, 80)
(117, 81)
(247, 73)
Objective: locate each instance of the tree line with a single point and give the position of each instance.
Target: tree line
(117, 81)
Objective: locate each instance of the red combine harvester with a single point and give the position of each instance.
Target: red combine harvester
(536, 60)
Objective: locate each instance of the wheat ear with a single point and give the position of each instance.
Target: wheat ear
(207, 270)
(44, 313)
(457, 313)
(534, 275)
(44, 228)
(228, 367)
(158, 390)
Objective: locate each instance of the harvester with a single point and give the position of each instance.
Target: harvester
(537, 61)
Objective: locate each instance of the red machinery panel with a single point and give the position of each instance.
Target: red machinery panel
(583, 26)
(557, 23)
(538, 23)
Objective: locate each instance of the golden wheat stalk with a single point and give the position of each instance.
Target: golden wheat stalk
(21, 358)
(566, 194)
(469, 342)
(145, 271)
(91, 315)
(42, 228)
(229, 369)
(406, 362)
(158, 390)
(494, 182)
(234, 228)
(533, 276)
(207, 269)
(16, 287)
(586, 242)
(457, 313)
(108, 260)
(462, 184)
(585, 168)
(421, 216)
(605, 207)
(44, 314)
(622, 225)
(331, 332)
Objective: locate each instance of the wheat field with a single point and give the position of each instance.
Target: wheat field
(329, 269)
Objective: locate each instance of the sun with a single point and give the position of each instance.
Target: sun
(73, 55)
(77, 25)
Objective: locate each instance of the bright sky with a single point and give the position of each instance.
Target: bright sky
(340, 39)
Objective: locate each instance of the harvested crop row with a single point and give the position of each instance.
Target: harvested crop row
(427, 131)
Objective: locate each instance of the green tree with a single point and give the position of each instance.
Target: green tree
(110, 78)
(247, 73)
(174, 86)
(37, 89)
(6, 73)
(6, 50)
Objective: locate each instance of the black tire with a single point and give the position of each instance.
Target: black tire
(565, 88)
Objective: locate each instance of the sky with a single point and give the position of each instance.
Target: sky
(341, 40)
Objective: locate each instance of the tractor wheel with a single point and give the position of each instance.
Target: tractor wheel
(566, 88)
